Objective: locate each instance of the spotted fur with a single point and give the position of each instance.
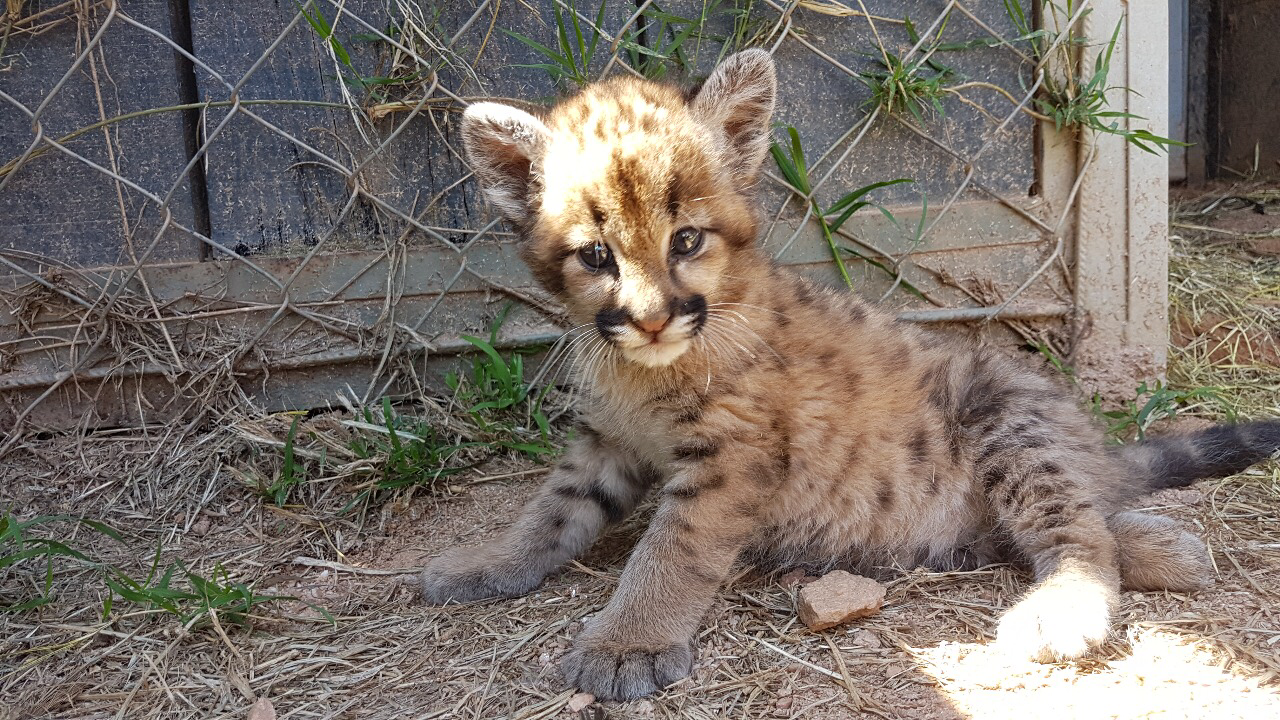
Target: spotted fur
(784, 422)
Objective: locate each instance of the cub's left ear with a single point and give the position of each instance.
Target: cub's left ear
(737, 100)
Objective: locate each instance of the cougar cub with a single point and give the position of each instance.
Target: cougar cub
(784, 421)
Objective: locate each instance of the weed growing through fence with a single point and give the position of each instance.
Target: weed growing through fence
(913, 86)
(664, 38)
(324, 30)
(1077, 100)
(1069, 97)
(747, 31)
(400, 68)
(791, 162)
(918, 85)
(660, 41)
(900, 86)
(571, 59)
(672, 32)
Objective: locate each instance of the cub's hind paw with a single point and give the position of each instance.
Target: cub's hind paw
(1156, 554)
(466, 574)
(1056, 621)
(617, 672)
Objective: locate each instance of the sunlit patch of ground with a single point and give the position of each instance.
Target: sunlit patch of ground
(1163, 674)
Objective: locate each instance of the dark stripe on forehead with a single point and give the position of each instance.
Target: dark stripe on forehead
(673, 194)
(624, 177)
(597, 215)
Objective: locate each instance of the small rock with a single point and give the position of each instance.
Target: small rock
(262, 710)
(893, 670)
(791, 578)
(839, 597)
(867, 639)
(579, 702)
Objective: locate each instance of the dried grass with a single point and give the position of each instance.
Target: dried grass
(387, 656)
(1225, 301)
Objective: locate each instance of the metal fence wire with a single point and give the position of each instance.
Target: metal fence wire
(207, 204)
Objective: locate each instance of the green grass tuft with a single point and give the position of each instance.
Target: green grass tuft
(196, 600)
(1151, 404)
(1079, 100)
(411, 452)
(794, 168)
(18, 545)
(575, 49)
(498, 400)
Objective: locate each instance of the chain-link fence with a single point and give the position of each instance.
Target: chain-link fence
(207, 204)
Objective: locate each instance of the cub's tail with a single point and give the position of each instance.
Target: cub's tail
(1182, 458)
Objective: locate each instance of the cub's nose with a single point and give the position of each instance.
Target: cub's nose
(654, 323)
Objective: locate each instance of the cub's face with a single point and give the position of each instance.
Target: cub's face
(632, 201)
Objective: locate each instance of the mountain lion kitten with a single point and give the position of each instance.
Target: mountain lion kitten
(785, 422)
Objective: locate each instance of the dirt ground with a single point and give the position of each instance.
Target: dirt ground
(1213, 653)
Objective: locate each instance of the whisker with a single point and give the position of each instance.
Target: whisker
(598, 358)
(748, 305)
(707, 197)
(702, 346)
(726, 336)
(744, 324)
(734, 324)
(566, 339)
(735, 313)
(563, 359)
(716, 338)
(587, 365)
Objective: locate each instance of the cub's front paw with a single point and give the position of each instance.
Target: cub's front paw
(1056, 622)
(465, 574)
(621, 671)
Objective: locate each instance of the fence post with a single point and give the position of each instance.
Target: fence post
(1122, 247)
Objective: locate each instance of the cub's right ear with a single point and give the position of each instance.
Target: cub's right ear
(503, 145)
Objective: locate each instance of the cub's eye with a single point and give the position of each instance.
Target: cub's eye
(596, 257)
(686, 241)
